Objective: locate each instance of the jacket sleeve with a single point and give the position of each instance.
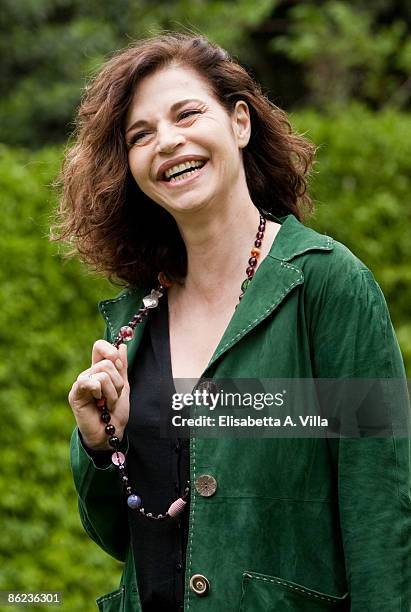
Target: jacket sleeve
(101, 504)
(353, 338)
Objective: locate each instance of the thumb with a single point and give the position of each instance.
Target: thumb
(122, 349)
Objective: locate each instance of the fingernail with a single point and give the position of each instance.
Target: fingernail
(118, 364)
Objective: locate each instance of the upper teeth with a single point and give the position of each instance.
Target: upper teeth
(180, 167)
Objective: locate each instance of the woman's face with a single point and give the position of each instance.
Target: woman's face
(184, 148)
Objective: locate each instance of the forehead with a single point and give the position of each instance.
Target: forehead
(160, 90)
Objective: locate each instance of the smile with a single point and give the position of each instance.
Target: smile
(181, 172)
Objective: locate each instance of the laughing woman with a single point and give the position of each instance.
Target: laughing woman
(189, 186)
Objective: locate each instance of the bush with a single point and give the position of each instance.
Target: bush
(362, 190)
(49, 320)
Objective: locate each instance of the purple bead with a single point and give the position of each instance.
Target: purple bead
(257, 243)
(114, 441)
(250, 272)
(133, 501)
(105, 416)
(126, 333)
(259, 236)
(252, 261)
(110, 430)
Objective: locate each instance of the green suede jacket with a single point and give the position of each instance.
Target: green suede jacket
(295, 524)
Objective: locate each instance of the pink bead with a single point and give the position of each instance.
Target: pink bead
(126, 333)
(118, 458)
(176, 507)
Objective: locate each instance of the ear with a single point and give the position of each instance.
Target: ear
(241, 123)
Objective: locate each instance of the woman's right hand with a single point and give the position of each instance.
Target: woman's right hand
(107, 376)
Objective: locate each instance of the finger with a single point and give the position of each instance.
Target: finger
(107, 388)
(108, 366)
(124, 362)
(103, 350)
(88, 386)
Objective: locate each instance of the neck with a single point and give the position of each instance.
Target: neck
(218, 248)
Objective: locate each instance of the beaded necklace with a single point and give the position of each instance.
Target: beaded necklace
(126, 334)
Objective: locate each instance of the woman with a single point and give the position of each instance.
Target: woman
(186, 181)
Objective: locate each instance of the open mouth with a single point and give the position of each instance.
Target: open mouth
(182, 171)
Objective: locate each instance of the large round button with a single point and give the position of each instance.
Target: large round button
(208, 386)
(206, 485)
(199, 585)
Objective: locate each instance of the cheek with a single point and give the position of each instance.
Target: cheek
(136, 168)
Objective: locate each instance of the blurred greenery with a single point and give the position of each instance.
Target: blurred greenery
(316, 52)
(342, 68)
(49, 320)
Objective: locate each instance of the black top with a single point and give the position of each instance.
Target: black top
(158, 469)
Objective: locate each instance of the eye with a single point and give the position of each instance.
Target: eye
(188, 113)
(138, 137)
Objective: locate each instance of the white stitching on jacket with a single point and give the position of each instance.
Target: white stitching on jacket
(292, 587)
(111, 596)
(269, 309)
(190, 545)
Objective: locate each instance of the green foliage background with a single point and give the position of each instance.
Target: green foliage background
(346, 92)
(49, 320)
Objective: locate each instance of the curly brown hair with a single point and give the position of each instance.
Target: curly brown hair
(103, 214)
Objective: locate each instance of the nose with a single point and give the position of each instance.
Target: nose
(168, 138)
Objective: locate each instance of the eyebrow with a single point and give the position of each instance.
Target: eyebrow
(175, 107)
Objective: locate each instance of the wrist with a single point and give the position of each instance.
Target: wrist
(97, 447)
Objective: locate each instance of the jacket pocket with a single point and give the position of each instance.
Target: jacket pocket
(112, 602)
(261, 593)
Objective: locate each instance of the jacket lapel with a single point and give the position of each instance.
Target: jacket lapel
(275, 278)
(119, 312)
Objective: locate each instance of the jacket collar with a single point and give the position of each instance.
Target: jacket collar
(276, 276)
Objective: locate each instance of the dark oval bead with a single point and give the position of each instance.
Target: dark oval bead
(250, 272)
(114, 441)
(244, 285)
(259, 236)
(257, 243)
(124, 479)
(253, 261)
(261, 228)
(110, 430)
(105, 416)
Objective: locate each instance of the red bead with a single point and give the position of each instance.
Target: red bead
(105, 416)
(163, 280)
(250, 271)
(260, 236)
(253, 261)
(101, 402)
(257, 243)
(126, 333)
